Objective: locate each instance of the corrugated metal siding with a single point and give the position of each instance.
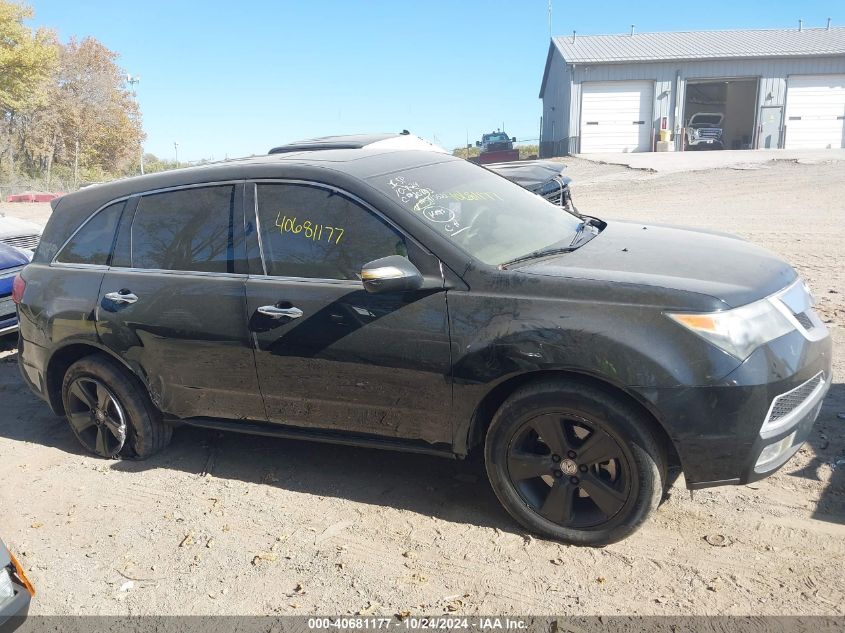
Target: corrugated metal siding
(773, 74)
(702, 44)
(574, 117)
(705, 69)
(556, 98)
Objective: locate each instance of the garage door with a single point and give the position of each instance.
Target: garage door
(616, 116)
(815, 111)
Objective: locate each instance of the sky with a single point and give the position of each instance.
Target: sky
(227, 79)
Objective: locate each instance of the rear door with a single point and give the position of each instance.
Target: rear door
(343, 359)
(172, 303)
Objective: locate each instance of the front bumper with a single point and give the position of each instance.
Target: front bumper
(781, 439)
(8, 327)
(705, 142)
(14, 612)
(8, 315)
(716, 429)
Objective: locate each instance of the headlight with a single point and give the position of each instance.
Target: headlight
(739, 331)
(7, 589)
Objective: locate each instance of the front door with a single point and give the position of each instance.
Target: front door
(329, 354)
(173, 304)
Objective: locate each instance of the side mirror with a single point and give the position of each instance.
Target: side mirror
(513, 139)
(478, 143)
(391, 274)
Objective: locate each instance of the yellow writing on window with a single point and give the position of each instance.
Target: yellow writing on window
(309, 230)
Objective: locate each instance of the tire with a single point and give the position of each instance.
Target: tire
(109, 412)
(601, 490)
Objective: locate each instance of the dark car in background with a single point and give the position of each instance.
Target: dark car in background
(543, 177)
(361, 293)
(12, 261)
(15, 592)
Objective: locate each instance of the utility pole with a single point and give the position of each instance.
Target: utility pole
(176, 149)
(133, 81)
(76, 165)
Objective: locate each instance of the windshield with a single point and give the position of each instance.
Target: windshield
(487, 216)
(495, 138)
(706, 119)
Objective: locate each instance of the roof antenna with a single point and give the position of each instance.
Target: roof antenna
(573, 37)
(632, 30)
(828, 24)
(800, 25)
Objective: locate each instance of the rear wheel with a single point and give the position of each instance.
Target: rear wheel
(574, 463)
(109, 412)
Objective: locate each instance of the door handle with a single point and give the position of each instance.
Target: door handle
(122, 297)
(277, 313)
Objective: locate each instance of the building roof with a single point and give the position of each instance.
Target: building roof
(640, 47)
(695, 45)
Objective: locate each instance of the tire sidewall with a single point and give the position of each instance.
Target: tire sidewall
(638, 447)
(141, 417)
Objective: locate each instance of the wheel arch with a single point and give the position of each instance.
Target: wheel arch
(65, 356)
(487, 407)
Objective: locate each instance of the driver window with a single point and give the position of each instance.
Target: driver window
(310, 232)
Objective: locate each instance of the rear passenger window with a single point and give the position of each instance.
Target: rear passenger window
(319, 234)
(189, 230)
(92, 244)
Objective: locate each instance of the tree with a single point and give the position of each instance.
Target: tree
(27, 59)
(64, 108)
(27, 62)
(98, 116)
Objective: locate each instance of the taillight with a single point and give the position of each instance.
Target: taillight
(18, 286)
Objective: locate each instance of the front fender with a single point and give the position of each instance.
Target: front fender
(634, 348)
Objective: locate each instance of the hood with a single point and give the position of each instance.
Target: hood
(13, 227)
(706, 119)
(721, 266)
(530, 174)
(11, 257)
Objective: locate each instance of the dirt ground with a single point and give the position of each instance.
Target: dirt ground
(229, 524)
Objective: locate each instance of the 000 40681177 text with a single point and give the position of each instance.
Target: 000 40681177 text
(308, 229)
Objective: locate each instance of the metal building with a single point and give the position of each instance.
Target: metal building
(775, 88)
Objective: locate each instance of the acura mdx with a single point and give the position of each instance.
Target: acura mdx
(356, 291)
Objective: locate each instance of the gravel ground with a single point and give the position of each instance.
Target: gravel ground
(229, 524)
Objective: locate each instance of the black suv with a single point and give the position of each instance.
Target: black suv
(353, 291)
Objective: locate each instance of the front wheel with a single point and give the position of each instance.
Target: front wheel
(574, 463)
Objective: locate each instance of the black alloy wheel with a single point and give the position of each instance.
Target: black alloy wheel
(575, 462)
(110, 411)
(569, 470)
(96, 416)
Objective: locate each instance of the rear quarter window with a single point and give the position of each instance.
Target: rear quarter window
(92, 243)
